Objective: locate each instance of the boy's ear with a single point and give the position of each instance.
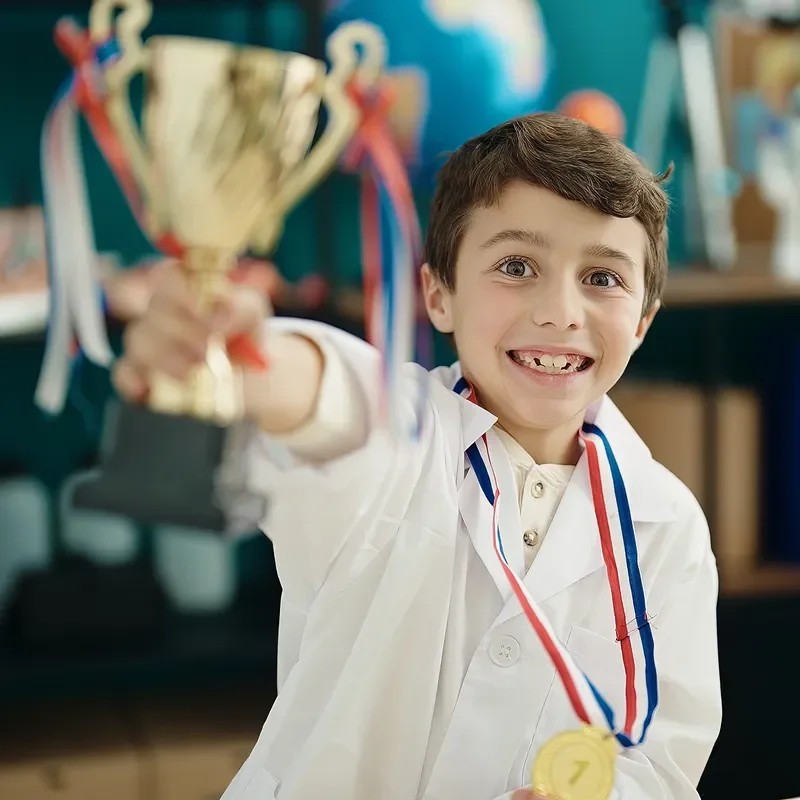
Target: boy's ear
(644, 324)
(437, 301)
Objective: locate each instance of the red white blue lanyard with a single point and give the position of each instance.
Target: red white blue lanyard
(618, 543)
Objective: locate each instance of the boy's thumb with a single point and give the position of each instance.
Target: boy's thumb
(242, 310)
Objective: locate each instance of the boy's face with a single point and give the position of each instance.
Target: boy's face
(547, 308)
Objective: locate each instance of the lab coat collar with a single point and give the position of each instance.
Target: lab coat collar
(571, 550)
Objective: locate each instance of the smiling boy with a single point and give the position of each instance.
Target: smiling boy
(407, 668)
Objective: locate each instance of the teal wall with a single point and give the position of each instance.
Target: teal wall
(603, 45)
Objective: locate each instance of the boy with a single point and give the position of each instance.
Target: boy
(406, 666)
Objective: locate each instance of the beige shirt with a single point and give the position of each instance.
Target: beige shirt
(338, 426)
(540, 488)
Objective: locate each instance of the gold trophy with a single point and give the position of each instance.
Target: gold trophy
(224, 154)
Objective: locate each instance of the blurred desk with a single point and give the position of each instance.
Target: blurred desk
(166, 746)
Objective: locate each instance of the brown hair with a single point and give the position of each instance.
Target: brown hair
(566, 157)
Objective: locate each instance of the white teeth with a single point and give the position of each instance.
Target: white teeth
(546, 363)
(553, 370)
(548, 369)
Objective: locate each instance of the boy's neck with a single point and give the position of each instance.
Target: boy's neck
(548, 446)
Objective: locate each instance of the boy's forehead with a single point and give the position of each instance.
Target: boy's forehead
(537, 217)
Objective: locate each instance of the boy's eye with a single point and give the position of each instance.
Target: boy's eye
(516, 268)
(603, 280)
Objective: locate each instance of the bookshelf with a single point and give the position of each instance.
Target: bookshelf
(716, 295)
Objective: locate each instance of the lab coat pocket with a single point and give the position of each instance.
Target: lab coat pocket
(601, 660)
(263, 786)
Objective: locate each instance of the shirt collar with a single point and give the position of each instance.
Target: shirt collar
(647, 498)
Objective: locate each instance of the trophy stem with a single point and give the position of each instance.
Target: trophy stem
(208, 270)
(213, 391)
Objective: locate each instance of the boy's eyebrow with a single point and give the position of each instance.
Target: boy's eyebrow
(598, 250)
(534, 238)
(539, 239)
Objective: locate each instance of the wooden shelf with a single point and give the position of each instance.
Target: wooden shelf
(700, 287)
(765, 580)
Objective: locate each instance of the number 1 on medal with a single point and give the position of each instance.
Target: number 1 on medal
(580, 768)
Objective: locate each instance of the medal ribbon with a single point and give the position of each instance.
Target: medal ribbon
(76, 322)
(391, 250)
(618, 544)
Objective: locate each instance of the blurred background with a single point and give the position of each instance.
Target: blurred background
(152, 679)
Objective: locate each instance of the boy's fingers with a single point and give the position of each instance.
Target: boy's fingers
(129, 381)
(171, 286)
(176, 331)
(147, 348)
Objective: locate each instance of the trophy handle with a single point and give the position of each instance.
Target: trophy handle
(343, 114)
(133, 58)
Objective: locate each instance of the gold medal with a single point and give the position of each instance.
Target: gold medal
(576, 765)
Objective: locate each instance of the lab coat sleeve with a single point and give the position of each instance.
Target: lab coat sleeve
(340, 421)
(320, 480)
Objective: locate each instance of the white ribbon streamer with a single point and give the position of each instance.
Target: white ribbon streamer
(76, 307)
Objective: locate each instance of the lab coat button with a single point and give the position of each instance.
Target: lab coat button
(504, 651)
(537, 489)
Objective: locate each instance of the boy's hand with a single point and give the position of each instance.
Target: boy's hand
(172, 335)
(528, 794)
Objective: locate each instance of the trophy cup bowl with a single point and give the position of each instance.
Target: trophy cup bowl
(224, 153)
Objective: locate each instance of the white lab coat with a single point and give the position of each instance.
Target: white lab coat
(406, 667)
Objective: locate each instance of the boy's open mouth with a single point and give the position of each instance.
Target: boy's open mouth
(560, 364)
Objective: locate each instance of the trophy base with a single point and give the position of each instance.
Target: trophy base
(158, 469)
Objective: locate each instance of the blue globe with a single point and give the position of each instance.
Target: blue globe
(457, 68)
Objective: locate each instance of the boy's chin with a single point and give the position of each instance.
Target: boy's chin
(545, 415)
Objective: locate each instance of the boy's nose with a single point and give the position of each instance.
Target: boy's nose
(557, 304)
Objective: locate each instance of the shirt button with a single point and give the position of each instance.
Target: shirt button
(530, 537)
(505, 651)
(537, 489)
